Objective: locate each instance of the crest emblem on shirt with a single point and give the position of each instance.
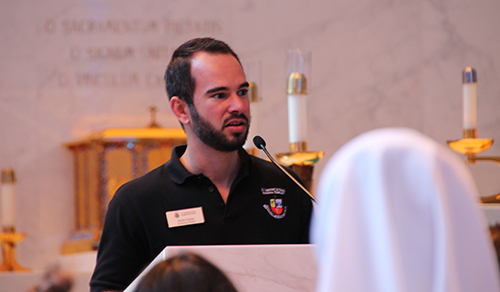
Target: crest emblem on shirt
(275, 208)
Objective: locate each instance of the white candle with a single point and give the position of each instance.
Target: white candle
(470, 106)
(297, 118)
(7, 199)
(469, 98)
(299, 73)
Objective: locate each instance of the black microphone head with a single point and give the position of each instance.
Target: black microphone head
(259, 142)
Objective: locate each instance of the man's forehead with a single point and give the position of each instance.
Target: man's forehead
(210, 67)
(207, 57)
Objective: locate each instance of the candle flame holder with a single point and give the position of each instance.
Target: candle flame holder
(470, 146)
(9, 238)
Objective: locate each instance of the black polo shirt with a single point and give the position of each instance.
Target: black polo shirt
(263, 207)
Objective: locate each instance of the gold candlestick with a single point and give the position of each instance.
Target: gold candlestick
(9, 238)
(470, 145)
(299, 159)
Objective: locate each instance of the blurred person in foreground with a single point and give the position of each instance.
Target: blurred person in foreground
(187, 272)
(55, 279)
(399, 212)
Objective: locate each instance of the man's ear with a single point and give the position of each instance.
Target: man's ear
(180, 109)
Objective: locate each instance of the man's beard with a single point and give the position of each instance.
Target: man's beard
(216, 138)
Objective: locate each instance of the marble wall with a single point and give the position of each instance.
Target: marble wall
(69, 68)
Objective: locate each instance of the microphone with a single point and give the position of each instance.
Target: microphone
(261, 144)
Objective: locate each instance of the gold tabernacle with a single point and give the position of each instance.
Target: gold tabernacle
(102, 163)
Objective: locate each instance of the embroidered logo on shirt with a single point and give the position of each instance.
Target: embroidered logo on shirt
(275, 208)
(273, 191)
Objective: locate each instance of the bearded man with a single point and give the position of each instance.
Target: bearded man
(210, 191)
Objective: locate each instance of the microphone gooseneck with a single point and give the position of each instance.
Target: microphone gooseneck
(261, 144)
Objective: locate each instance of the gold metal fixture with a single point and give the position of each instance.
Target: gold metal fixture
(470, 145)
(9, 238)
(8, 175)
(153, 109)
(102, 163)
(253, 92)
(297, 83)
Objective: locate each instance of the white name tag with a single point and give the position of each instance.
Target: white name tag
(185, 217)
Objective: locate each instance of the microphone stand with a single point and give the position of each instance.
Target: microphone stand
(260, 143)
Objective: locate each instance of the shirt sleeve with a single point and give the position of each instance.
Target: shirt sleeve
(123, 252)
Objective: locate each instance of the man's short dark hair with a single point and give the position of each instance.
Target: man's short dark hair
(178, 79)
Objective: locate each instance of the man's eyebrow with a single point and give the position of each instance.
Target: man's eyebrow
(222, 88)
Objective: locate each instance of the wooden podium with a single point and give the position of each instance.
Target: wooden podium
(254, 267)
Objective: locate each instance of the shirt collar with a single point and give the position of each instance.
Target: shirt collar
(179, 174)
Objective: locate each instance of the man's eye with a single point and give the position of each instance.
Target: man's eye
(243, 92)
(219, 95)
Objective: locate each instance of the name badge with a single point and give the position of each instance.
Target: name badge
(185, 217)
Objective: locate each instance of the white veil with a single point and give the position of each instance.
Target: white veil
(398, 212)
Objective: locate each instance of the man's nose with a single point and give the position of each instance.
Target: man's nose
(238, 103)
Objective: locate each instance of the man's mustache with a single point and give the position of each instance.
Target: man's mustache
(241, 116)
